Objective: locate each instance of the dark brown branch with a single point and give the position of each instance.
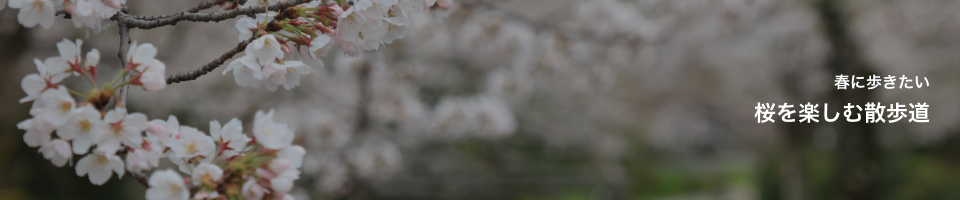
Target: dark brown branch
(132, 22)
(124, 48)
(140, 178)
(199, 7)
(193, 75)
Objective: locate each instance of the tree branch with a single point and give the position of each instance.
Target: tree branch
(142, 179)
(132, 22)
(124, 48)
(199, 7)
(193, 75)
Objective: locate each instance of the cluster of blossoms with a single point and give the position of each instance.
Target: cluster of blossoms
(224, 164)
(84, 13)
(317, 26)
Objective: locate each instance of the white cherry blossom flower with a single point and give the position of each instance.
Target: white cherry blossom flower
(192, 143)
(52, 71)
(260, 3)
(80, 128)
(33, 12)
(396, 28)
(173, 128)
(142, 159)
(246, 24)
(283, 183)
(86, 13)
(270, 134)
(120, 128)
(152, 71)
(152, 76)
(246, 71)
(358, 30)
(294, 154)
(38, 132)
(70, 52)
(93, 59)
(320, 45)
(252, 190)
(206, 170)
(57, 151)
(265, 49)
(407, 7)
(286, 74)
(54, 106)
(99, 165)
(167, 185)
(231, 135)
(141, 54)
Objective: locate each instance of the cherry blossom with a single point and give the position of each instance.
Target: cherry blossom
(396, 26)
(120, 128)
(265, 49)
(93, 59)
(246, 24)
(270, 134)
(141, 54)
(407, 7)
(294, 154)
(70, 51)
(151, 76)
(54, 107)
(98, 166)
(57, 151)
(246, 71)
(356, 31)
(167, 184)
(260, 3)
(142, 159)
(86, 13)
(80, 128)
(191, 144)
(152, 71)
(230, 136)
(33, 12)
(320, 45)
(38, 132)
(252, 190)
(286, 74)
(283, 183)
(52, 71)
(206, 171)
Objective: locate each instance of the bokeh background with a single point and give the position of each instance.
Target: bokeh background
(559, 99)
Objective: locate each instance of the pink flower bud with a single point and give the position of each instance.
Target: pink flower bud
(336, 10)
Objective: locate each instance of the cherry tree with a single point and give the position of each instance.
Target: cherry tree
(227, 163)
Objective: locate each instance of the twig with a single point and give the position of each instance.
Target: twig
(193, 75)
(199, 7)
(142, 179)
(124, 48)
(132, 22)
